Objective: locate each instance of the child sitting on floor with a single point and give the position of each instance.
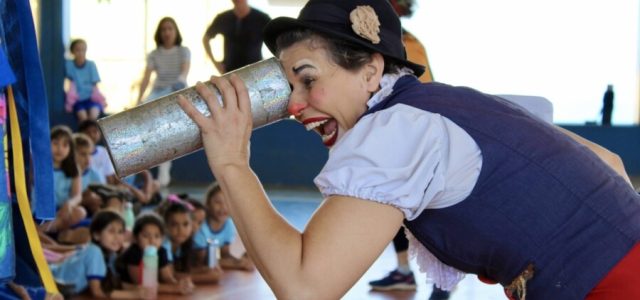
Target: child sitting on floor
(219, 227)
(149, 231)
(90, 268)
(67, 183)
(179, 219)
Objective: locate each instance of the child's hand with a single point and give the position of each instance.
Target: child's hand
(186, 286)
(246, 263)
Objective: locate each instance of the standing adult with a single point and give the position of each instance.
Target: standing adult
(241, 28)
(171, 61)
(607, 106)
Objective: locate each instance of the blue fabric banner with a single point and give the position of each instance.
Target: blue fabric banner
(7, 246)
(31, 102)
(6, 74)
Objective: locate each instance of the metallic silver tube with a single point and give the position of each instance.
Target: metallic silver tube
(159, 131)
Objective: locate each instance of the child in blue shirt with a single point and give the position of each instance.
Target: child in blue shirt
(84, 148)
(219, 227)
(83, 97)
(66, 183)
(92, 268)
(149, 231)
(178, 216)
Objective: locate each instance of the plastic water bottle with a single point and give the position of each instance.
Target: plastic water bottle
(129, 217)
(214, 253)
(150, 271)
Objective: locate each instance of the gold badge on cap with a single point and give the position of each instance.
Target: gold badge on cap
(365, 23)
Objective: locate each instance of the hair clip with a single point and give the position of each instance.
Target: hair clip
(175, 199)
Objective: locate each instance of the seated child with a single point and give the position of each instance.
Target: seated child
(149, 231)
(67, 183)
(198, 210)
(89, 269)
(100, 157)
(83, 96)
(84, 147)
(178, 243)
(219, 227)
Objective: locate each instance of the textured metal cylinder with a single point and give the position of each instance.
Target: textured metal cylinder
(159, 131)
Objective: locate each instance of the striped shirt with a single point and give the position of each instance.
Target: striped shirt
(168, 64)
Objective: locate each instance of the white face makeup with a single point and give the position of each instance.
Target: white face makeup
(325, 97)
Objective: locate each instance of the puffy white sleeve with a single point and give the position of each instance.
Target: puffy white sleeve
(393, 156)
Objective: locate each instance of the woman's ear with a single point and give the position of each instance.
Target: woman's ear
(373, 72)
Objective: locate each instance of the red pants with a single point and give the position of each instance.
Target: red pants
(622, 282)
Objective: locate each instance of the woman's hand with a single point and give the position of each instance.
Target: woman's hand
(226, 133)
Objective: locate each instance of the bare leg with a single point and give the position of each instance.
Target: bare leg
(403, 258)
(75, 236)
(94, 112)
(164, 174)
(81, 115)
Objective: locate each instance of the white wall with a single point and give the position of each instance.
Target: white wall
(565, 50)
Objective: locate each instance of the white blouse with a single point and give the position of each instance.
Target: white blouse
(409, 158)
(402, 156)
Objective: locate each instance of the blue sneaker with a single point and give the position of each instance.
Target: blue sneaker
(394, 281)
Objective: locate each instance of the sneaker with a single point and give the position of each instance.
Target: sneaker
(439, 294)
(394, 281)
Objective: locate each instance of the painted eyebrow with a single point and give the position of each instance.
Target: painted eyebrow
(300, 68)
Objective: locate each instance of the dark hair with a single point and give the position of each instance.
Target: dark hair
(347, 55)
(146, 219)
(101, 220)
(404, 8)
(196, 204)
(86, 124)
(182, 263)
(212, 190)
(158, 35)
(99, 223)
(68, 165)
(76, 42)
(106, 197)
(82, 140)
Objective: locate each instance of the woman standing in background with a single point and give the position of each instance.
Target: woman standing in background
(171, 62)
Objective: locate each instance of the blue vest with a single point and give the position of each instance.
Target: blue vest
(541, 199)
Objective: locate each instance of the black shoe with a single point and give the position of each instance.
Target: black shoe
(394, 281)
(439, 294)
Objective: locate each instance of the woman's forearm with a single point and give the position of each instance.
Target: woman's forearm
(274, 245)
